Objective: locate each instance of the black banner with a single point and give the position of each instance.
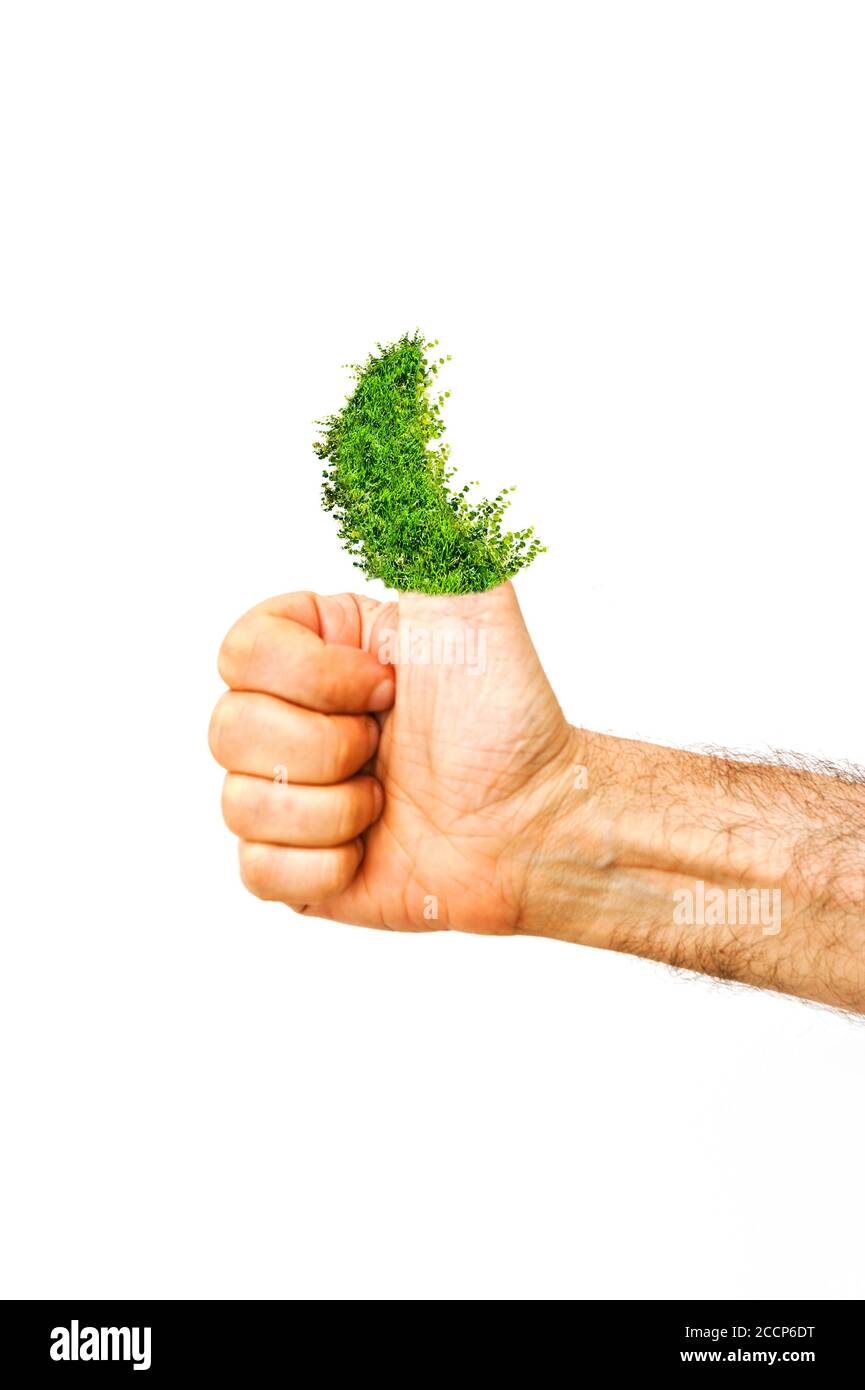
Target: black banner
(241, 1341)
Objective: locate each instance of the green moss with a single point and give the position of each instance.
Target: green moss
(387, 483)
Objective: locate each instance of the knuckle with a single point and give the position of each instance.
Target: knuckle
(236, 805)
(355, 810)
(347, 817)
(340, 870)
(329, 685)
(221, 721)
(337, 751)
(342, 755)
(256, 870)
(349, 745)
(358, 746)
(236, 651)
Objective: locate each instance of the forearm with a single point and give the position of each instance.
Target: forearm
(743, 871)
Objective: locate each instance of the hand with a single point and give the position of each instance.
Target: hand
(405, 765)
(391, 764)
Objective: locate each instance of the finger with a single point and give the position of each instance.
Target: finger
(283, 814)
(266, 737)
(308, 653)
(287, 874)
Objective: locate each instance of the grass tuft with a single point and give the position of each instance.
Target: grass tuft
(387, 481)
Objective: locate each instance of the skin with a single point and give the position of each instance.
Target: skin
(370, 783)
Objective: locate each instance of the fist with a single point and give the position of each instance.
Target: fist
(390, 764)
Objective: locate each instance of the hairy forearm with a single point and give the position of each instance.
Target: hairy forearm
(744, 871)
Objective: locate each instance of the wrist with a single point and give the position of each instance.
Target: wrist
(631, 823)
(572, 845)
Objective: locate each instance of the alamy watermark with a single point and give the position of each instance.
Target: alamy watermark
(415, 644)
(76, 1343)
(718, 907)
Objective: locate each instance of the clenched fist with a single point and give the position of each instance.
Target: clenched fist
(393, 764)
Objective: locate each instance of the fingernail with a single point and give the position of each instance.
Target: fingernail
(378, 798)
(382, 697)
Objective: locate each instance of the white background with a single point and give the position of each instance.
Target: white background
(639, 230)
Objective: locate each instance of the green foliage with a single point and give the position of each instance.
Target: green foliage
(388, 484)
